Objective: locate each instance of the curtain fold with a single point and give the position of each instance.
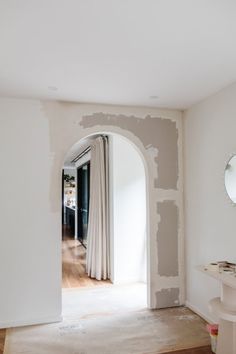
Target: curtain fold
(98, 245)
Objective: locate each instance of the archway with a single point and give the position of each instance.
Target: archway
(129, 219)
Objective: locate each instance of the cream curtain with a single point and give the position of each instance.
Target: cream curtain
(98, 245)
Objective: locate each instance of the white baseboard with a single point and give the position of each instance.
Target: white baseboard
(199, 312)
(30, 322)
(128, 281)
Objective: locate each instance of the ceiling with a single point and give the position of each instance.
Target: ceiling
(166, 53)
(77, 149)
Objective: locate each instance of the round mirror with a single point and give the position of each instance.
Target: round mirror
(230, 178)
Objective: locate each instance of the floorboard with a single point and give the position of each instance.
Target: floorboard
(2, 339)
(200, 350)
(74, 264)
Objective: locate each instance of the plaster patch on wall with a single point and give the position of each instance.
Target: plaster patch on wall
(167, 239)
(167, 298)
(155, 132)
(167, 282)
(68, 123)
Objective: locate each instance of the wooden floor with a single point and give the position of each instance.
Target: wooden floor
(201, 350)
(2, 339)
(73, 264)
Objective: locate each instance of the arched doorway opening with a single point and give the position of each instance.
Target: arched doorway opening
(128, 221)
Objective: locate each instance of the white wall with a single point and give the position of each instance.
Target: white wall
(30, 253)
(210, 139)
(129, 210)
(34, 139)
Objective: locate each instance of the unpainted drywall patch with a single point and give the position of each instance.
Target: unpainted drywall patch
(159, 133)
(68, 124)
(167, 298)
(167, 239)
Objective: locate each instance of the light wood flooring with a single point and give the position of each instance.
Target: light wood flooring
(2, 339)
(73, 264)
(200, 350)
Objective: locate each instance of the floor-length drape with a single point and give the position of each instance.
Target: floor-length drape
(98, 248)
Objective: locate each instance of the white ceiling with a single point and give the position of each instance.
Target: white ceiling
(77, 149)
(117, 51)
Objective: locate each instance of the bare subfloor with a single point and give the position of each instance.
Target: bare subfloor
(115, 317)
(112, 320)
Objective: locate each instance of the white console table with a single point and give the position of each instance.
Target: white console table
(225, 309)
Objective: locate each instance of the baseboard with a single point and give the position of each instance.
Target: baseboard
(199, 312)
(30, 322)
(128, 281)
